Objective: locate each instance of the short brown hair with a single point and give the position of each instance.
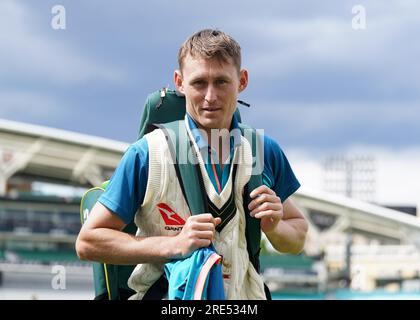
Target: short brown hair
(209, 43)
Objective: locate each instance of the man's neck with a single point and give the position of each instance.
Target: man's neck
(219, 140)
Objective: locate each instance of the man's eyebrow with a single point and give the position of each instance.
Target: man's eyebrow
(202, 78)
(196, 78)
(222, 77)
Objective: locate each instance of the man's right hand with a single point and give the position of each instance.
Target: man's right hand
(198, 232)
(102, 240)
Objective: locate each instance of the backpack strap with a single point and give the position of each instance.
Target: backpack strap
(253, 225)
(186, 166)
(253, 228)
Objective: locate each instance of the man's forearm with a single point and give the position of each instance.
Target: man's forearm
(116, 247)
(289, 235)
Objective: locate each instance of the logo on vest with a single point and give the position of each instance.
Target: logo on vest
(172, 220)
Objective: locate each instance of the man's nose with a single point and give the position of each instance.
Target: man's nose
(210, 96)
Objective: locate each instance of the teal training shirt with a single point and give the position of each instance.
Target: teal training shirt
(197, 277)
(127, 187)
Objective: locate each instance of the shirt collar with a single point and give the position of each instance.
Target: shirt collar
(235, 138)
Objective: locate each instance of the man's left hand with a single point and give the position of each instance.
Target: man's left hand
(267, 206)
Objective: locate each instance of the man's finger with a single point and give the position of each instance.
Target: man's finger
(261, 189)
(268, 213)
(263, 198)
(204, 234)
(203, 226)
(266, 206)
(203, 217)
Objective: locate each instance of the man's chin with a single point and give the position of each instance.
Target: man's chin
(210, 123)
(205, 122)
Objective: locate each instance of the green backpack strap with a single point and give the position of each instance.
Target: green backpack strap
(186, 166)
(253, 227)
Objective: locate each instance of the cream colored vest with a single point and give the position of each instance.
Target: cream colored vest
(241, 281)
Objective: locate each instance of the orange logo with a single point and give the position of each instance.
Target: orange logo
(170, 217)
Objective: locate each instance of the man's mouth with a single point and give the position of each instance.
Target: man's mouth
(211, 109)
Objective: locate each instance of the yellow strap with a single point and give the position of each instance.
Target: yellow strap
(107, 282)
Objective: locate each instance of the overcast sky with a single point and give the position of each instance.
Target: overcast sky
(317, 84)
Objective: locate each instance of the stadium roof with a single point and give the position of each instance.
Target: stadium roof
(55, 154)
(21, 128)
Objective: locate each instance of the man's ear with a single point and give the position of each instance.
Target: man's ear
(243, 80)
(179, 83)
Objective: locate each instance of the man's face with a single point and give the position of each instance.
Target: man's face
(211, 89)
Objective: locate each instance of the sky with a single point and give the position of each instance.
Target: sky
(324, 78)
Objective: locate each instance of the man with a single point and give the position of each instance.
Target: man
(144, 186)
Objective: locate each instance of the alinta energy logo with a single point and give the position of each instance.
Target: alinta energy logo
(172, 220)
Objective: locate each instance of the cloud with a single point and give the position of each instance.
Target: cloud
(32, 105)
(323, 56)
(397, 178)
(337, 125)
(32, 56)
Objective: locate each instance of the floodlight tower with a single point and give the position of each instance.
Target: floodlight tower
(352, 176)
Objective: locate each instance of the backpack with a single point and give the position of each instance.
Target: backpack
(110, 281)
(164, 109)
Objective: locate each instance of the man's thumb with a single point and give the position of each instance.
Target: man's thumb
(217, 221)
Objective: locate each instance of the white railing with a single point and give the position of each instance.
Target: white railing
(394, 252)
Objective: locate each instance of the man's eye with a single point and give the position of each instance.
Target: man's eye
(221, 81)
(198, 83)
